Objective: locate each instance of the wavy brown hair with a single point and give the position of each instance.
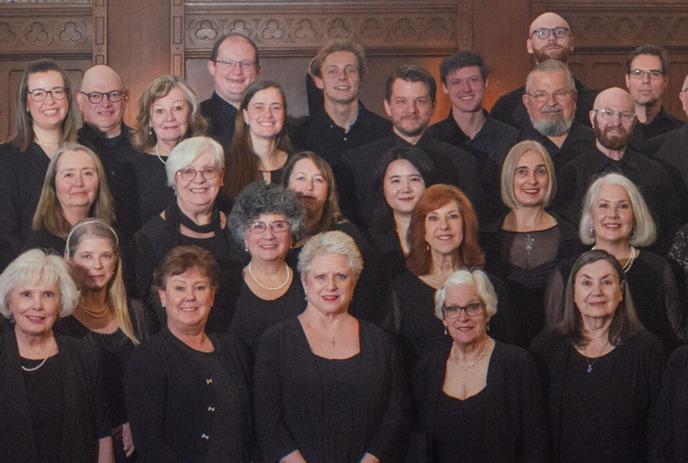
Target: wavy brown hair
(468, 254)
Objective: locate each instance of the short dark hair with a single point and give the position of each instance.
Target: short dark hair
(460, 60)
(411, 73)
(182, 258)
(229, 35)
(652, 50)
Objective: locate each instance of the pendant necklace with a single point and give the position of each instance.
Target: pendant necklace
(591, 361)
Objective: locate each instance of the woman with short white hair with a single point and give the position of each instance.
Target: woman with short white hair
(51, 402)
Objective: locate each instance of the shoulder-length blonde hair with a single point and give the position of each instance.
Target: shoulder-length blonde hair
(23, 122)
(116, 297)
(509, 170)
(49, 215)
(468, 254)
(143, 137)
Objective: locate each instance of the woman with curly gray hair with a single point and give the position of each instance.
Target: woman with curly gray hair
(266, 221)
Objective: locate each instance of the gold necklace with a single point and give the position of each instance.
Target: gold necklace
(480, 356)
(96, 313)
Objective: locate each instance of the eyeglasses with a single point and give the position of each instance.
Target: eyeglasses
(655, 74)
(609, 115)
(278, 226)
(188, 174)
(544, 32)
(472, 310)
(231, 64)
(561, 95)
(96, 97)
(40, 94)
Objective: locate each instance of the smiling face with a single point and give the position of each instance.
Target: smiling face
(310, 186)
(444, 229)
(268, 246)
(329, 284)
(464, 329)
(552, 47)
(466, 89)
(76, 180)
(552, 115)
(598, 291)
(232, 80)
(200, 193)
(410, 107)
(35, 307)
(169, 116)
(612, 215)
(187, 298)
(340, 79)
(531, 180)
(647, 91)
(49, 113)
(265, 114)
(402, 186)
(105, 116)
(95, 262)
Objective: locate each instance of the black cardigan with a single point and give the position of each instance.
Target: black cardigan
(170, 398)
(288, 416)
(85, 410)
(516, 413)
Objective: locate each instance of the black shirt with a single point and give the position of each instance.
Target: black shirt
(579, 140)
(320, 134)
(662, 123)
(221, 117)
(509, 107)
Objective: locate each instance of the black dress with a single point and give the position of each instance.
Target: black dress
(505, 422)
(43, 239)
(77, 392)
(184, 406)
(330, 410)
(601, 416)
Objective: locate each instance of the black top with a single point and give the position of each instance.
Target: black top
(43, 239)
(669, 442)
(649, 176)
(662, 123)
(411, 315)
(391, 255)
(151, 183)
(172, 401)
(489, 147)
(580, 139)
(657, 297)
(83, 405)
(320, 134)
(601, 416)
(255, 315)
(355, 174)
(221, 116)
(671, 153)
(509, 107)
(526, 286)
(294, 399)
(20, 190)
(504, 422)
(121, 177)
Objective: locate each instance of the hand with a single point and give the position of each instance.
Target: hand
(370, 458)
(123, 431)
(293, 457)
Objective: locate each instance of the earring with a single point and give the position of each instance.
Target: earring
(592, 231)
(150, 130)
(445, 331)
(427, 247)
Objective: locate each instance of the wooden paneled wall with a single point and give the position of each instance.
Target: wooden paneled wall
(143, 39)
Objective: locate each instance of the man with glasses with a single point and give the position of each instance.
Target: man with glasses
(549, 37)
(342, 122)
(550, 102)
(234, 65)
(647, 78)
(613, 119)
(102, 100)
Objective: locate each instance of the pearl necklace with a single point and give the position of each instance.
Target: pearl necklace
(284, 283)
(157, 153)
(480, 356)
(629, 263)
(50, 349)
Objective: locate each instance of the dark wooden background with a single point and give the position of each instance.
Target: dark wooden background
(145, 38)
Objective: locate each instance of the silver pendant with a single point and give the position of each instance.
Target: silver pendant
(589, 369)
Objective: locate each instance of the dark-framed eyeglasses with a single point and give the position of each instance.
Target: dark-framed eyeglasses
(230, 65)
(608, 115)
(638, 74)
(209, 173)
(472, 310)
(96, 97)
(544, 33)
(278, 226)
(40, 94)
(559, 96)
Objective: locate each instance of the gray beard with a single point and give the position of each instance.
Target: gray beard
(552, 128)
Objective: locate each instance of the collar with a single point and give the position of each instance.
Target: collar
(364, 118)
(223, 105)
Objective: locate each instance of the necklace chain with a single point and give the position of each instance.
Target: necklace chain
(284, 283)
(591, 361)
(480, 356)
(157, 153)
(50, 349)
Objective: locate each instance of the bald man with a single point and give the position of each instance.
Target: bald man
(102, 99)
(613, 119)
(549, 37)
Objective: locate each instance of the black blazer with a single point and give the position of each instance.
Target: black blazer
(85, 409)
